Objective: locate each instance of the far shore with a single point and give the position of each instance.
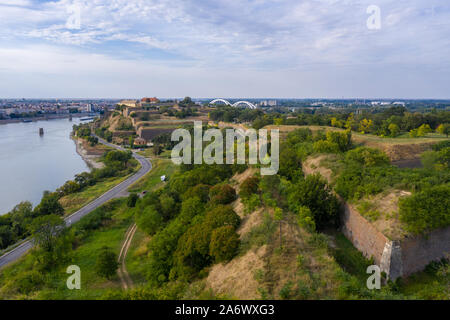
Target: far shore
(48, 117)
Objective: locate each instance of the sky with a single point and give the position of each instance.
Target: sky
(225, 48)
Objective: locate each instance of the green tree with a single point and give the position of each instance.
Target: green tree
(249, 187)
(106, 264)
(423, 130)
(132, 199)
(393, 129)
(224, 243)
(444, 129)
(149, 221)
(315, 193)
(49, 205)
(305, 219)
(222, 194)
(46, 230)
(426, 210)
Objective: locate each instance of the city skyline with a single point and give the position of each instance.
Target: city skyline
(309, 49)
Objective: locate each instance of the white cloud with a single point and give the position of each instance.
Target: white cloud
(238, 37)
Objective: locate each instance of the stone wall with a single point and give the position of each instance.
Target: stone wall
(397, 258)
(417, 252)
(362, 234)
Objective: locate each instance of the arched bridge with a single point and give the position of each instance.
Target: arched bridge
(248, 104)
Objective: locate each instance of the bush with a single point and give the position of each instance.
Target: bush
(222, 194)
(367, 156)
(201, 191)
(324, 146)
(106, 264)
(314, 192)
(149, 221)
(249, 187)
(222, 216)
(224, 243)
(426, 210)
(132, 199)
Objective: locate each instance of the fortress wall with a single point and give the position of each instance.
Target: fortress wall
(362, 234)
(419, 251)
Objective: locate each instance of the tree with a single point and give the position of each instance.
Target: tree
(342, 139)
(49, 205)
(132, 199)
(315, 193)
(365, 125)
(278, 216)
(224, 243)
(423, 130)
(393, 129)
(305, 219)
(444, 129)
(426, 210)
(222, 216)
(249, 187)
(200, 191)
(131, 141)
(149, 221)
(106, 264)
(46, 229)
(222, 194)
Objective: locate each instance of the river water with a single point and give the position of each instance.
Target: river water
(31, 164)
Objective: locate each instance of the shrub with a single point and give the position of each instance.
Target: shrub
(222, 216)
(324, 146)
(426, 210)
(224, 243)
(106, 264)
(305, 219)
(222, 194)
(132, 199)
(315, 193)
(149, 221)
(201, 191)
(249, 187)
(342, 139)
(367, 156)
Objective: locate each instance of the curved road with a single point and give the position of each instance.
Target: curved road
(146, 166)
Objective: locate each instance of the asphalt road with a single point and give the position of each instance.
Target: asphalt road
(146, 166)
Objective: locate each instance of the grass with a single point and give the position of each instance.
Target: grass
(403, 138)
(111, 234)
(152, 180)
(75, 201)
(137, 257)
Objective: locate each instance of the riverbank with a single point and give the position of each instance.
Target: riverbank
(90, 159)
(47, 117)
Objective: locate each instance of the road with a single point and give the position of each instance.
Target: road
(146, 166)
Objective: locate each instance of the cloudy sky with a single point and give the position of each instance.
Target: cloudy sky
(225, 48)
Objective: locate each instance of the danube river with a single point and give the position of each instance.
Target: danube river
(31, 164)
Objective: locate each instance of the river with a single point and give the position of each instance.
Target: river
(31, 164)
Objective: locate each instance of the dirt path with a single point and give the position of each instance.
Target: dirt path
(125, 278)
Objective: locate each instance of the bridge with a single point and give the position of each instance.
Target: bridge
(236, 104)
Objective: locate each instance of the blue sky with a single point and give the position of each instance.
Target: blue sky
(224, 48)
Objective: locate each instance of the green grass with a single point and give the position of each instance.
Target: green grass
(84, 256)
(75, 201)
(137, 257)
(152, 180)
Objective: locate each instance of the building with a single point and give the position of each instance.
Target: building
(139, 142)
(149, 100)
(128, 103)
